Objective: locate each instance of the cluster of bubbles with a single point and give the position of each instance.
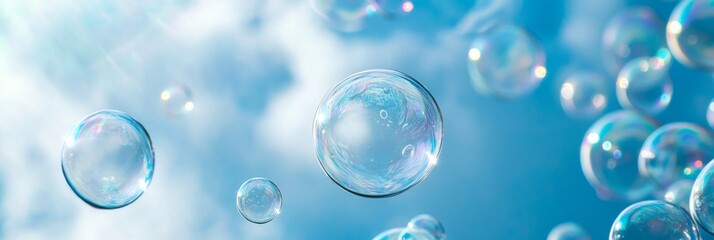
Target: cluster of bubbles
(421, 227)
(259, 200)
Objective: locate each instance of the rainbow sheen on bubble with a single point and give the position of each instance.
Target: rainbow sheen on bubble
(676, 151)
(644, 84)
(569, 231)
(608, 155)
(654, 220)
(506, 61)
(177, 100)
(344, 15)
(391, 234)
(259, 200)
(108, 159)
(416, 234)
(631, 34)
(430, 224)
(690, 33)
(378, 133)
(584, 94)
(678, 193)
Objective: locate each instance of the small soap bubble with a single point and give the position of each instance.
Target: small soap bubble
(259, 200)
(584, 94)
(430, 224)
(654, 220)
(675, 151)
(569, 231)
(363, 153)
(391, 234)
(678, 193)
(177, 100)
(108, 159)
(506, 61)
(393, 8)
(690, 33)
(344, 15)
(633, 33)
(608, 155)
(644, 84)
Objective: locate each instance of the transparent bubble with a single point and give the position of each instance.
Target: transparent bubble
(675, 151)
(506, 61)
(391, 234)
(690, 33)
(654, 220)
(569, 231)
(710, 113)
(259, 200)
(416, 234)
(363, 150)
(678, 193)
(177, 100)
(393, 8)
(584, 94)
(644, 85)
(701, 202)
(608, 155)
(633, 33)
(108, 159)
(429, 224)
(345, 15)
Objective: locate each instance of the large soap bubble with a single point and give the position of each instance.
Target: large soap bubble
(654, 220)
(377, 133)
(644, 84)
(701, 201)
(690, 33)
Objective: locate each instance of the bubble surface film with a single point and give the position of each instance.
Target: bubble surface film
(108, 159)
(429, 224)
(584, 94)
(644, 84)
(710, 113)
(393, 8)
(259, 200)
(568, 231)
(391, 234)
(177, 100)
(633, 33)
(678, 193)
(506, 61)
(416, 234)
(690, 33)
(653, 220)
(608, 155)
(377, 133)
(701, 201)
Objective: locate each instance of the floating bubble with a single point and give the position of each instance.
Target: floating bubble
(416, 234)
(633, 33)
(391, 234)
(392, 8)
(506, 61)
(259, 200)
(701, 202)
(108, 159)
(345, 15)
(710, 114)
(675, 151)
(608, 155)
(429, 224)
(690, 33)
(177, 100)
(654, 220)
(371, 153)
(644, 85)
(584, 94)
(568, 231)
(678, 193)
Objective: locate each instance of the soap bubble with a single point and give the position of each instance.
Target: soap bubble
(633, 33)
(259, 200)
(177, 100)
(710, 114)
(701, 202)
(416, 234)
(108, 159)
(391, 234)
(568, 231)
(584, 94)
(675, 151)
(608, 155)
(678, 193)
(644, 85)
(392, 8)
(429, 224)
(345, 15)
(690, 33)
(377, 133)
(506, 61)
(654, 220)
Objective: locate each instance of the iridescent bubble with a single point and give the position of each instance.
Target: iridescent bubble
(584, 94)
(690, 33)
(363, 125)
(710, 113)
(108, 159)
(416, 234)
(633, 33)
(676, 151)
(701, 201)
(654, 220)
(429, 224)
(392, 8)
(506, 61)
(644, 85)
(569, 231)
(177, 100)
(391, 234)
(259, 200)
(345, 15)
(608, 155)
(678, 193)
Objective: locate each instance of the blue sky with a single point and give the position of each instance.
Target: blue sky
(258, 69)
